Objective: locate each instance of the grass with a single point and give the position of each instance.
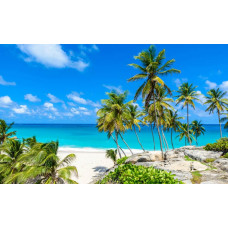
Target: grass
(196, 177)
(187, 158)
(209, 160)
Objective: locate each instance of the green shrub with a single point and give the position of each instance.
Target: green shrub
(225, 155)
(219, 145)
(132, 174)
(121, 161)
(209, 160)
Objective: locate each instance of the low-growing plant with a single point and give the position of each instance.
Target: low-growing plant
(187, 158)
(225, 155)
(132, 174)
(209, 160)
(219, 145)
(121, 161)
(196, 177)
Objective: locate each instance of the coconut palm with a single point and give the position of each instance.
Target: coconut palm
(185, 132)
(187, 95)
(113, 116)
(151, 71)
(43, 166)
(197, 129)
(4, 131)
(217, 102)
(112, 154)
(135, 119)
(173, 123)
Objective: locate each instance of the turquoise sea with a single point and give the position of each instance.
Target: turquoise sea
(87, 135)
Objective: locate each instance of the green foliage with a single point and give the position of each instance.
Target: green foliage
(187, 158)
(112, 154)
(196, 177)
(132, 174)
(225, 155)
(219, 145)
(209, 160)
(121, 161)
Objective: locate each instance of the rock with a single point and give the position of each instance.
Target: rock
(202, 155)
(174, 154)
(145, 157)
(221, 163)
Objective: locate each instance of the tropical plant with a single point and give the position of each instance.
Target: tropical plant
(112, 154)
(186, 133)
(4, 131)
(121, 161)
(219, 145)
(113, 116)
(217, 102)
(132, 174)
(187, 95)
(135, 119)
(197, 129)
(151, 71)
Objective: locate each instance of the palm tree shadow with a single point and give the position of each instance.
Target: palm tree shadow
(100, 169)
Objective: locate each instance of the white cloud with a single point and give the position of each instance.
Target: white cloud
(211, 85)
(76, 98)
(178, 81)
(51, 55)
(50, 106)
(224, 85)
(71, 104)
(5, 83)
(23, 109)
(118, 89)
(86, 113)
(75, 111)
(201, 97)
(82, 108)
(54, 99)
(5, 101)
(31, 98)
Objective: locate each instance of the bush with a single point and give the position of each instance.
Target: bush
(225, 155)
(219, 145)
(132, 174)
(121, 161)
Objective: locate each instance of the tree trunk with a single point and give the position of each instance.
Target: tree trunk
(167, 145)
(126, 144)
(117, 144)
(156, 119)
(196, 141)
(188, 126)
(220, 125)
(152, 135)
(172, 137)
(138, 137)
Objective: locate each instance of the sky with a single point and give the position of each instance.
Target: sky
(55, 83)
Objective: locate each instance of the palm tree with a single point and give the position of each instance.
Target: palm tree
(216, 102)
(197, 129)
(134, 120)
(113, 116)
(4, 128)
(185, 132)
(173, 123)
(112, 154)
(151, 71)
(187, 95)
(43, 166)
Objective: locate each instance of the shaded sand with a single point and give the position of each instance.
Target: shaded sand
(90, 162)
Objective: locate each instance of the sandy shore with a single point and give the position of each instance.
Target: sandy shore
(90, 162)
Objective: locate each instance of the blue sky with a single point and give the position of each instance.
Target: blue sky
(65, 83)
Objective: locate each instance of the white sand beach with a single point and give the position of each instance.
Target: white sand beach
(90, 162)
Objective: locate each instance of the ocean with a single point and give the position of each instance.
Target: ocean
(87, 136)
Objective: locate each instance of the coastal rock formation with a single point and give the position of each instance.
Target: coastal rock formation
(221, 163)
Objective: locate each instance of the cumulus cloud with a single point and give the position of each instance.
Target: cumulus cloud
(5, 83)
(224, 85)
(22, 109)
(179, 81)
(54, 99)
(31, 98)
(51, 55)
(210, 85)
(118, 89)
(50, 106)
(75, 111)
(201, 97)
(82, 108)
(74, 96)
(5, 101)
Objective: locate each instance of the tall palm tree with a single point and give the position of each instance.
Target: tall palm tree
(4, 131)
(173, 123)
(186, 133)
(151, 71)
(44, 166)
(187, 95)
(134, 120)
(197, 129)
(217, 102)
(112, 155)
(114, 115)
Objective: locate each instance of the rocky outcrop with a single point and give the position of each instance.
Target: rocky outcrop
(221, 163)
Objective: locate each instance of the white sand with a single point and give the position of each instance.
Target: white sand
(90, 162)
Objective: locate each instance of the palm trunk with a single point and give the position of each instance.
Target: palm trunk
(126, 144)
(138, 137)
(152, 135)
(156, 119)
(119, 146)
(188, 125)
(172, 137)
(196, 141)
(220, 125)
(164, 143)
(118, 150)
(165, 139)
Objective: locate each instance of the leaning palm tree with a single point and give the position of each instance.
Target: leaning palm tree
(151, 71)
(217, 102)
(187, 95)
(44, 166)
(135, 119)
(197, 129)
(185, 133)
(173, 123)
(112, 154)
(4, 131)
